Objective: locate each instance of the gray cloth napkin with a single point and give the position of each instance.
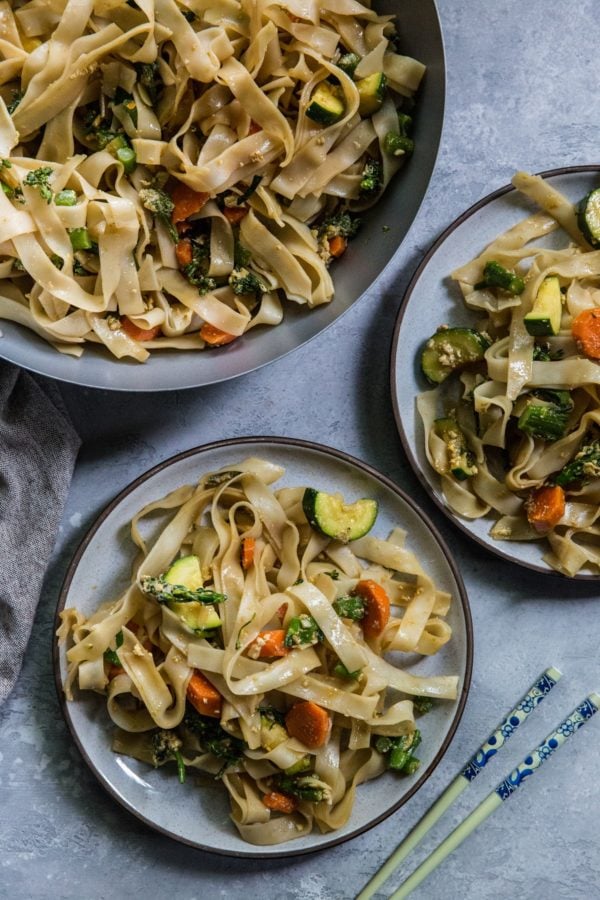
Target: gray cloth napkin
(38, 448)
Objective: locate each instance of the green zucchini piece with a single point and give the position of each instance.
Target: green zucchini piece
(461, 460)
(348, 63)
(588, 217)
(185, 571)
(544, 421)
(371, 91)
(544, 317)
(496, 276)
(329, 514)
(450, 349)
(584, 466)
(327, 104)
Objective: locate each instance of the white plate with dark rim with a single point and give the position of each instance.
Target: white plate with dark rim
(431, 298)
(370, 253)
(198, 814)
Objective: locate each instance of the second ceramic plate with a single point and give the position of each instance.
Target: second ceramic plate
(432, 299)
(200, 815)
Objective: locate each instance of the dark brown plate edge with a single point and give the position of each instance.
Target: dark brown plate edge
(414, 463)
(343, 457)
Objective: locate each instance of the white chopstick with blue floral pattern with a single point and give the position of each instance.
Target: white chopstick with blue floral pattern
(576, 720)
(534, 696)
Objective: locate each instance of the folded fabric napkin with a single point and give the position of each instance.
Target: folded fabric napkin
(38, 448)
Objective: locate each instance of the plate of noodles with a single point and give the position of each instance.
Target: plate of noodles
(187, 195)
(496, 372)
(264, 648)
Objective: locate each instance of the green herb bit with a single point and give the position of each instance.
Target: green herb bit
(544, 353)
(584, 466)
(160, 204)
(340, 671)
(166, 747)
(350, 608)
(339, 225)
(57, 261)
(334, 575)
(348, 63)
(241, 256)
(149, 78)
(5, 164)
(303, 631)
(165, 592)
(126, 100)
(80, 239)
(422, 705)
(398, 143)
(305, 787)
(66, 197)
(243, 281)
(214, 739)
(38, 178)
(372, 177)
(250, 190)
(17, 96)
(496, 276)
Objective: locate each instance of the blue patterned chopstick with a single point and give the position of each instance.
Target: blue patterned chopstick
(580, 715)
(534, 696)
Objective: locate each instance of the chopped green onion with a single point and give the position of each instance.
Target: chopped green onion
(80, 239)
(67, 197)
(127, 156)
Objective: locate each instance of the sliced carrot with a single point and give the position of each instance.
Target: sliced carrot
(187, 202)
(214, 336)
(268, 645)
(248, 548)
(203, 696)
(254, 127)
(137, 333)
(377, 607)
(545, 507)
(183, 252)
(309, 723)
(586, 331)
(279, 802)
(235, 214)
(337, 245)
(281, 611)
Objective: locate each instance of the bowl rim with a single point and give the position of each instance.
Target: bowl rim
(342, 457)
(414, 463)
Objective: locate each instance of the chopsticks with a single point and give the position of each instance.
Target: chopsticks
(580, 715)
(523, 709)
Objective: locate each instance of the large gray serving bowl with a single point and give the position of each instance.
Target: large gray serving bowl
(370, 253)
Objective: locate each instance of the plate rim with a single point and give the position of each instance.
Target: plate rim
(412, 284)
(292, 443)
(87, 381)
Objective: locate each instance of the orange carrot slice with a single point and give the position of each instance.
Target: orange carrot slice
(214, 336)
(586, 331)
(279, 802)
(268, 645)
(203, 696)
(337, 245)
(309, 723)
(235, 214)
(137, 333)
(545, 507)
(377, 607)
(247, 551)
(183, 252)
(187, 202)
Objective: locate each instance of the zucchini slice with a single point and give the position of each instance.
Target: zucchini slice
(327, 104)
(329, 514)
(371, 91)
(588, 217)
(544, 317)
(461, 460)
(185, 571)
(450, 349)
(200, 617)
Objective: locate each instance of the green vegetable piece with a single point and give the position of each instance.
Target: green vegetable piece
(348, 63)
(244, 281)
(339, 225)
(340, 671)
(396, 144)
(588, 217)
(185, 571)
(548, 419)
(327, 104)
(398, 758)
(302, 632)
(329, 514)
(350, 607)
(80, 239)
(371, 91)
(584, 466)
(185, 575)
(399, 751)
(303, 765)
(411, 765)
(272, 729)
(166, 747)
(461, 460)
(39, 178)
(166, 593)
(496, 276)
(161, 206)
(66, 197)
(57, 261)
(422, 705)
(305, 787)
(371, 180)
(127, 156)
(544, 317)
(450, 349)
(214, 739)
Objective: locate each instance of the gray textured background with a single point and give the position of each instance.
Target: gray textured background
(522, 93)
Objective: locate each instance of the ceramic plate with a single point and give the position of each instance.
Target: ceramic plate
(370, 253)
(199, 815)
(431, 299)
